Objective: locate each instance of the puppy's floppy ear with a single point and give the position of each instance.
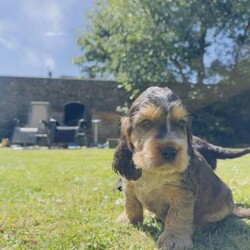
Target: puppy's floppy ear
(126, 129)
(122, 161)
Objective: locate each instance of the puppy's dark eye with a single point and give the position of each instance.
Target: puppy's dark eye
(146, 124)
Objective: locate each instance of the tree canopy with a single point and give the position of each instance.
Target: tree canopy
(145, 42)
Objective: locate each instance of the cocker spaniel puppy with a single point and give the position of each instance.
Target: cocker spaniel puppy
(164, 174)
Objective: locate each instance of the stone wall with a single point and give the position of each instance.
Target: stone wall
(101, 98)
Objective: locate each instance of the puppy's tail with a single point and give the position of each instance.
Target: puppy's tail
(242, 213)
(228, 153)
(218, 152)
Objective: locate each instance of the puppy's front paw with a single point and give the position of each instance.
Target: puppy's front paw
(124, 218)
(168, 241)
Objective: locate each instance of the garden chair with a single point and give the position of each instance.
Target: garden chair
(72, 131)
(35, 130)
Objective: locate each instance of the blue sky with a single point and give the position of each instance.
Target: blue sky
(38, 35)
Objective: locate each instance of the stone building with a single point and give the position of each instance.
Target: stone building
(101, 98)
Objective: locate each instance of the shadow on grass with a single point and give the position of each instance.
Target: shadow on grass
(230, 234)
(239, 205)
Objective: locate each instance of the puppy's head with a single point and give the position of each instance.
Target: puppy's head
(156, 133)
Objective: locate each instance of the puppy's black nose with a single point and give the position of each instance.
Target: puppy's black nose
(169, 153)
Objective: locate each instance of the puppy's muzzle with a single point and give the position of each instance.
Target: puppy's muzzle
(168, 153)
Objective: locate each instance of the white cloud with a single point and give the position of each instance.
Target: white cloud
(53, 12)
(52, 33)
(50, 62)
(47, 11)
(7, 43)
(32, 58)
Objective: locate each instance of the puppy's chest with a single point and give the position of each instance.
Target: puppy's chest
(153, 191)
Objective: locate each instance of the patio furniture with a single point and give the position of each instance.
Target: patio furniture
(72, 131)
(35, 130)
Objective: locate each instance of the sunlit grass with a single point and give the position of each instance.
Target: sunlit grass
(64, 199)
(236, 173)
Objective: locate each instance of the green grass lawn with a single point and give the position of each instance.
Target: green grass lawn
(63, 199)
